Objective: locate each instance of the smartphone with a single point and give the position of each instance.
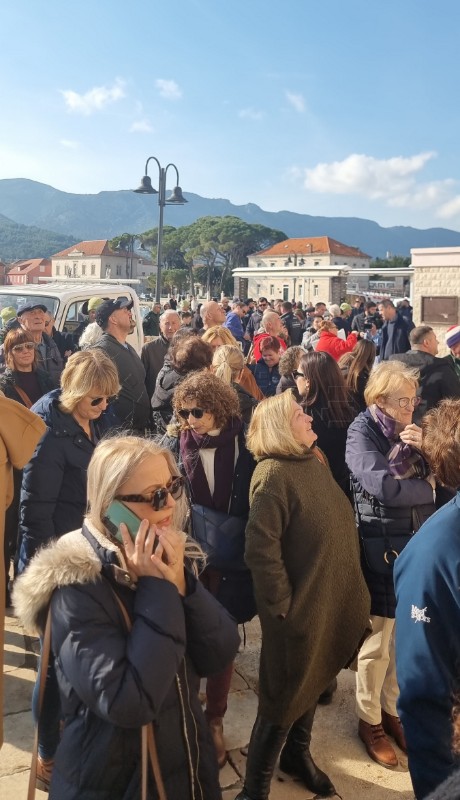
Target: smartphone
(117, 512)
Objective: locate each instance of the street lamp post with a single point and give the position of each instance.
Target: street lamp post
(176, 198)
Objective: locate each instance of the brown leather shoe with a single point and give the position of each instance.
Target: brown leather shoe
(377, 744)
(393, 727)
(44, 772)
(216, 726)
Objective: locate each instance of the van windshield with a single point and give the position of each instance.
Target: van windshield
(17, 300)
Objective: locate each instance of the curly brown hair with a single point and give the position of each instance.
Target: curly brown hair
(441, 442)
(205, 390)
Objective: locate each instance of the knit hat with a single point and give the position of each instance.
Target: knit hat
(345, 307)
(453, 336)
(7, 313)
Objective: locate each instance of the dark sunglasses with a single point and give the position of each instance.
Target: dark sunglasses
(195, 412)
(98, 400)
(159, 498)
(298, 374)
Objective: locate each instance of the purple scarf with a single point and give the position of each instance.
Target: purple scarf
(224, 465)
(405, 461)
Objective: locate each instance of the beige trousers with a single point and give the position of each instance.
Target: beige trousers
(376, 684)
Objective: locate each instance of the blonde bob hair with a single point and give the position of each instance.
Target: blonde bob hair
(114, 460)
(387, 378)
(227, 363)
(219, 332)
(270, 431)
(89, 371)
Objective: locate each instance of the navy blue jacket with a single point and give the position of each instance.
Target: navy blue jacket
(381, 497)
(400, 342)
(112, 681)
(427, 583)
(267, 378)
(53, 493)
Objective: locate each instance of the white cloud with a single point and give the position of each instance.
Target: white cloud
(297, 101)
(168, 89)
(450, 209)
(70, 144)
(93, 100)
(251, 113)
(366, 175)
(141, 126)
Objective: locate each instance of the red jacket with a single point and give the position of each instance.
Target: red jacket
(331, 343)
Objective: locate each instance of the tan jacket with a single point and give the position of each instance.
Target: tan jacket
(20, 432)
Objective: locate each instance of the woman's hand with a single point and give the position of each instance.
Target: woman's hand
(156, 552)
(412, 435)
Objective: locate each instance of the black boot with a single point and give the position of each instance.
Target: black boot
(296, 758)
(264, 747)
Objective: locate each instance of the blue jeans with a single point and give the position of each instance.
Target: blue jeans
(50, 716)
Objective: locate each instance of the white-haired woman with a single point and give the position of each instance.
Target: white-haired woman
(305, 567)
(228, 364)
(393, 496)
(114, 680)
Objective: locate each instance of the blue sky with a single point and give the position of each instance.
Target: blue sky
(335, 108)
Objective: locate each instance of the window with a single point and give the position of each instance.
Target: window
(58, 269)
(285, 292)
(118, 270)
(272, 264)
(316, 263)
(93, 269)
(315, 290)
(83, 269)
(272, 289)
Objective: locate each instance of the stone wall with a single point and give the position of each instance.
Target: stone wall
(435, 281)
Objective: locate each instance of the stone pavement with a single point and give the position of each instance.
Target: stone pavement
(336, 746)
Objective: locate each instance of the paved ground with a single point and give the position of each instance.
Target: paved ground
(335, 744)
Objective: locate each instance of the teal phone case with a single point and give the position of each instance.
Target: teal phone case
(116, 513)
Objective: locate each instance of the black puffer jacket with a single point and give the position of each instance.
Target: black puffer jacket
(112, 682)
(53, 493)
(400, 505)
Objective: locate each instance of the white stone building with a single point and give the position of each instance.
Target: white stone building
(95, 260)
(436, 288)
(309, 269)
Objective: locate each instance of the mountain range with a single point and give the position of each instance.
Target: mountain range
(76, 217)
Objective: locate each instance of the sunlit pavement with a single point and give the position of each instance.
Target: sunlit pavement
(335, 747)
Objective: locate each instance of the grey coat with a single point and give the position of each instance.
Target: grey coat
(132, 406)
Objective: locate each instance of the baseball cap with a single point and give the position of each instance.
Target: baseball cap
(104, 311)
(94, 302)
(345, 307)
(7, 313)
(31, 307)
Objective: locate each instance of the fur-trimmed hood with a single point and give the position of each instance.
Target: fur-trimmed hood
(71, 559)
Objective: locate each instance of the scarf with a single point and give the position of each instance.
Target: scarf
(224, 465)
(405, 461)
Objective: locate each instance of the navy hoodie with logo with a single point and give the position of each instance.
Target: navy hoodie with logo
(427, 585)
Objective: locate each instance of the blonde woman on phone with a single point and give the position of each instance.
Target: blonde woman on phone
(114, 681)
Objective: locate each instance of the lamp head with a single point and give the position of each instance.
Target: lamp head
(146, 186)
(176, 196)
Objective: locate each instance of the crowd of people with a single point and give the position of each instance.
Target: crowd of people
(163, 498)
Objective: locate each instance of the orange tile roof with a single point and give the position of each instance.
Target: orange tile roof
(314, 245)
(98, 247)
(28, 265)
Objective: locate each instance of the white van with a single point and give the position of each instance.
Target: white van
(66, 302)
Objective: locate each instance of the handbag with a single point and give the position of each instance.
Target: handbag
(221, 536)
(148, 744)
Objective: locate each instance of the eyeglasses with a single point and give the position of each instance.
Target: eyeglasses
(195, 412)
(405, 402)
(98, 400)
(159, 498)
(18, 348)
(298, 374)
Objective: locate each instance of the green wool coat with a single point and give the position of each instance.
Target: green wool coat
(303, 551)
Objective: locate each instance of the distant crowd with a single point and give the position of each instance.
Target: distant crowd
(256, 457)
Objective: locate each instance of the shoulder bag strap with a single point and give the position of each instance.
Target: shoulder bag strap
(46, 647)
(148, 744)
(24, 397)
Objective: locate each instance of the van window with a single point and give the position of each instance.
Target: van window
(74, 316)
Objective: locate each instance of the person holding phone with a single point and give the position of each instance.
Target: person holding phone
(113, 680)
(53, 493)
